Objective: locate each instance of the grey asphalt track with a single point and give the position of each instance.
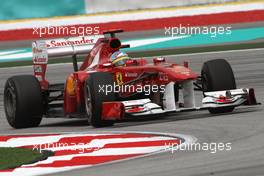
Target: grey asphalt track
(244, 128)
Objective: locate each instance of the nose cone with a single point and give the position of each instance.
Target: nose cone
(179, 72)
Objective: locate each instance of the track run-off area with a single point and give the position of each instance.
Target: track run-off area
(243, 128)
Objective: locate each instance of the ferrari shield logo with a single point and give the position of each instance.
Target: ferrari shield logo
(119, 78)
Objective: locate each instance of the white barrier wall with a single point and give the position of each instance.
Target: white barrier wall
(96, 6)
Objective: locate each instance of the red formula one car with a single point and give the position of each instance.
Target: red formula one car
(104, 92)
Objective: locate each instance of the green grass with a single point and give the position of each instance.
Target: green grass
(15, 157)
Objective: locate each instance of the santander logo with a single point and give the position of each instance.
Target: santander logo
(69, 42)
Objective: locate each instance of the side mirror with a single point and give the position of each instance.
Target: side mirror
(158, 60)
(106, 65)
(131, 62)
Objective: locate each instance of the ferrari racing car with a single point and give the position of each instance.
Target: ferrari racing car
(109, 86)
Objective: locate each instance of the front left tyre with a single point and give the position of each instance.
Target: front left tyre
(94, 98)
(217, 75)
(23, 101)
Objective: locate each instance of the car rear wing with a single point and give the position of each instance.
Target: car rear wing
(43, 50)
(61, 47)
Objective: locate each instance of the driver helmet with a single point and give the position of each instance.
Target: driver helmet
(119, 58)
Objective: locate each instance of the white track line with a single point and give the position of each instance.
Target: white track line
(22, 141)
(191, 54)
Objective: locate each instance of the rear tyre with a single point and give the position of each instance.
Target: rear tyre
(218, 75)
(94, 97)
(23, 101)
